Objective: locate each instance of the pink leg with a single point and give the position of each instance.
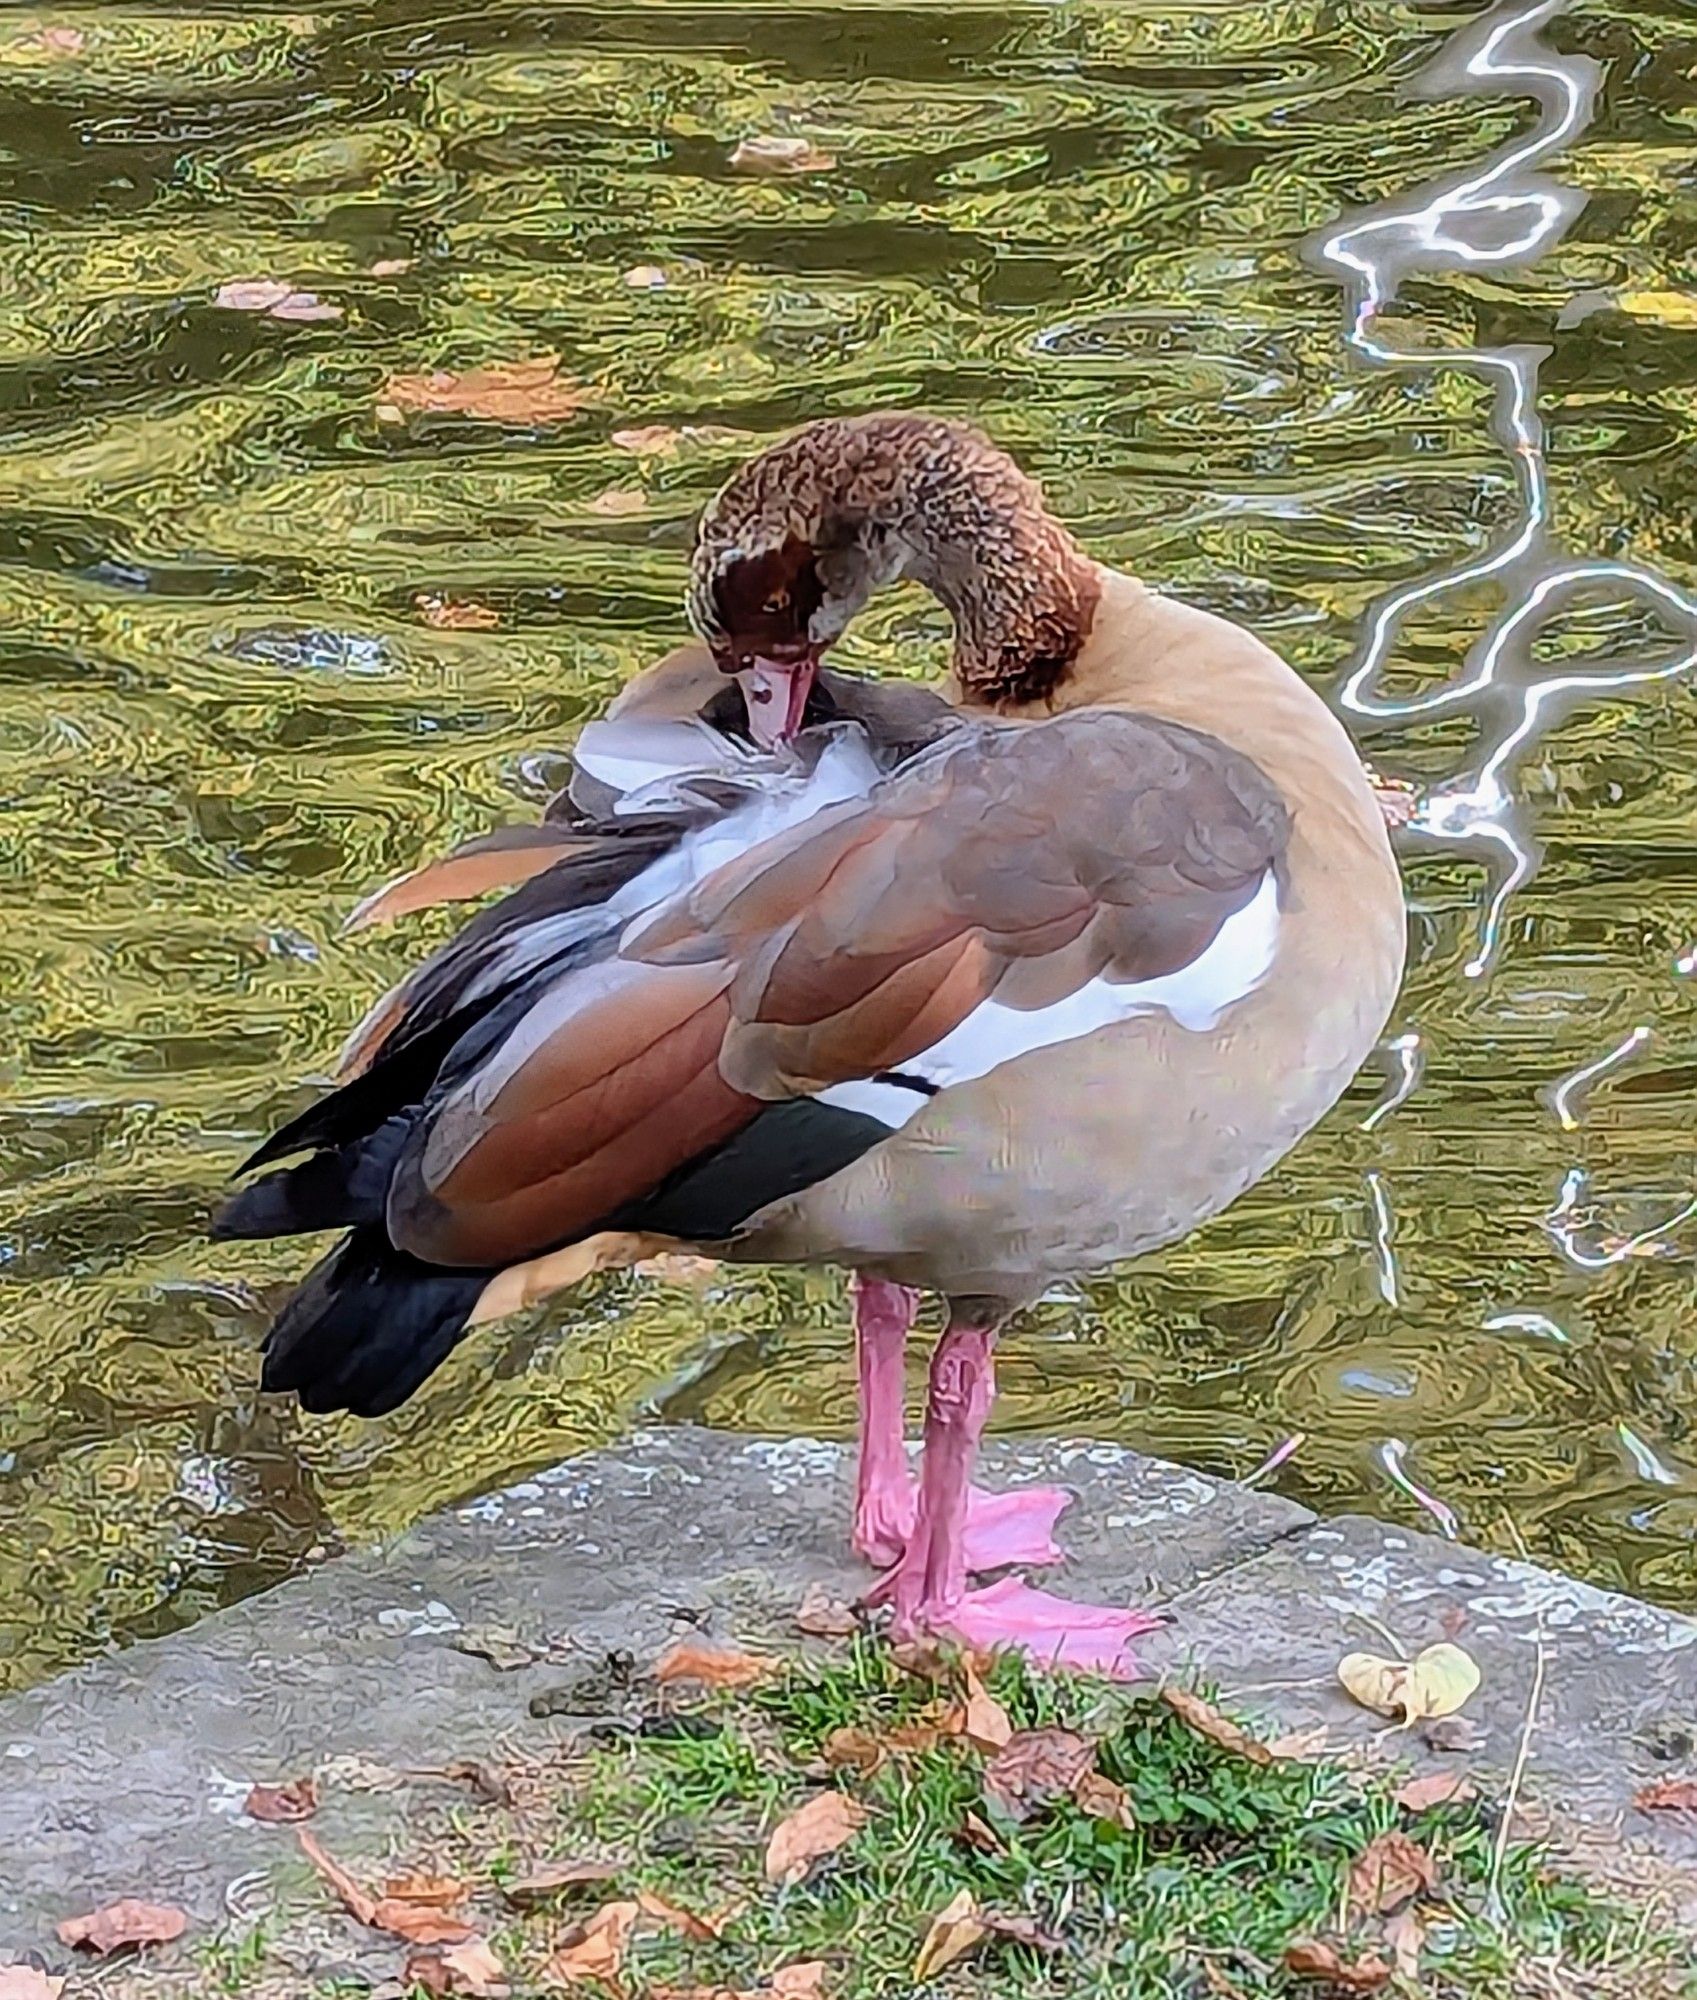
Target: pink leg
(1001, 1528)
(929, 1586)
(883, 1501)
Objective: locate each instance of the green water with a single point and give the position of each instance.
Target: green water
(224, 717)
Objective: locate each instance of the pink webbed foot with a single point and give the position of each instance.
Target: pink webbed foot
(1050, 1631)
(1003, 1530)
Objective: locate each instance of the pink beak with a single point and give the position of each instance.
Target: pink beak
(775, 693)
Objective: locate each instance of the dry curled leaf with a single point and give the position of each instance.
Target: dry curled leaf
(504, 392)
(1301, 1746)
(1668, 1795)
(57, 39)
(675, 1918)
(825, 1823)
(852, 1749)
(774, 153)
(485, 1780)
(805, 1980)
(1452, 1733)
(24, 1982)
(503, 1650)
(1436, 1681)
(555, 1881)
(470, 1969)
(437, 1892)
(417, 1922)
(118, 1926)
(354, 1899)
(595, 1950)
(1435, 1788)
(713, 1666)
(282, 1805)
(275, 299)
(1405, 1933)
(1389, 1872)
(955, 1929)
(1035, 1766)
(1207, 1720)
(1101, 1798)
(822, 1616)
(979, 1834)
(981, 1719)
(1311, 1959)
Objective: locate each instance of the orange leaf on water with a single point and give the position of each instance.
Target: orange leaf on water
(455, 614)
(774, 153)
(503, 392)
(117, 1926)
(274, 298)
(825, 1823)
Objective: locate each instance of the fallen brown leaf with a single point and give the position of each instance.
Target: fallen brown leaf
(713, 1666)
(1301, 1746)
(1035, 1766)
(772, 153)
(1390, 1871)
(275, 299)
(825, 1823)
(418, 1923)
(852, 1749)
(282, 1805)
(24, 1982)
(554, 1880)
(504, 392)
(822, 1616)
(595, 1949)
(983, 1720)
(978, 1833)
(1101, 1798)
(1436, 1788)
(484, 1779)
(1313, 1960)
(117, 1926)
(471, 1969)
(1452, 1733)
(702, 1929)
(1668, 1795)
(805, 1980)
(954, 1931)
(391, 267)
(1207, 1720)
(437, 1892)
(465, 614)
(935, 1660)
(1405, 1933)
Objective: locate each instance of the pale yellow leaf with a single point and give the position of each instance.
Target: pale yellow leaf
(954, 1931)
(1668, 308)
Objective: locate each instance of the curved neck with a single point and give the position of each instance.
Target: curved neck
(894, 495)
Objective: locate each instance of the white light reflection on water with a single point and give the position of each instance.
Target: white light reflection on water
(1504, 213)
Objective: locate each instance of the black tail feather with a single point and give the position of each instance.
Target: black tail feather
(339, 1189)
(367, 1326)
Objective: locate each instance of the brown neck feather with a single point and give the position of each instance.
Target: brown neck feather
(922, 497)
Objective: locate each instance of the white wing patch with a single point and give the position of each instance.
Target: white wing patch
(1232, 966)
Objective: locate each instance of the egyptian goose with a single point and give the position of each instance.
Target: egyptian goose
(970, 995)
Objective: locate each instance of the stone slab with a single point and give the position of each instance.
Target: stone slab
(126, 1777)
